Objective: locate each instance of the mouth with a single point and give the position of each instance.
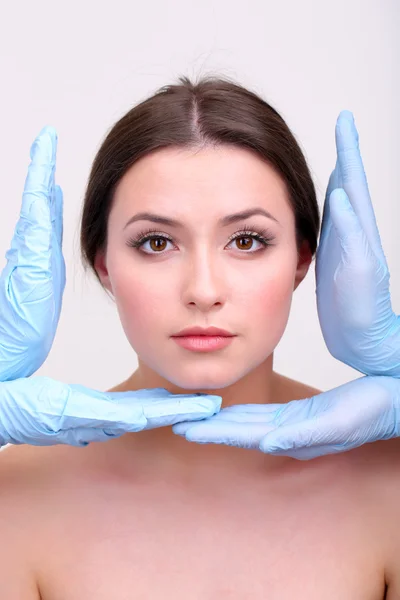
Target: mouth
(203, 343)
(203, 332)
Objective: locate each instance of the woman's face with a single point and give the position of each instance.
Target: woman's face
(196, 273)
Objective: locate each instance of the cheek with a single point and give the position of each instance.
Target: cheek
(273, 293)
(141, 299)
(268, 299)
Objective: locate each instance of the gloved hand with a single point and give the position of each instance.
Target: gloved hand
(352, 276)
(33, 280)
(355, 413)
(42, 412)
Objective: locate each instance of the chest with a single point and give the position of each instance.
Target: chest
(231, 540)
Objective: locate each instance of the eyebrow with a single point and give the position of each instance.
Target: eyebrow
(224, 221)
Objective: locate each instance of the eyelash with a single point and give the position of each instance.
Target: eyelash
(261, 235)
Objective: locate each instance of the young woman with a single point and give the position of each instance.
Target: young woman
(200, 211)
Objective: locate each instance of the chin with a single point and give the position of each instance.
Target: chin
(203, 379)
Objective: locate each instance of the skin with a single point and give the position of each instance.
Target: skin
(202, 278)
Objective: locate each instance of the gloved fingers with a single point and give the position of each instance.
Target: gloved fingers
(241, 434)
(358, 260)
(87, 408)
(359, 273)
(326, 221)
(354, 180)
(303, 453)
(351, 235)
(35, 224)
(58, 263)
(335, 430)
(278, 414)
(243, 418)
(239, 413)
(333, 183)
(58, 210)
(161, 408)
(270, 415)
(160, 413)
(249, 436)
(328, 247)
(32, 240)
(39, 181)
(303, 434)
(78, 436)
(137, 396)
(124, 410)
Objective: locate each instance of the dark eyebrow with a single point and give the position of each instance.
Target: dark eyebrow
(224, 221)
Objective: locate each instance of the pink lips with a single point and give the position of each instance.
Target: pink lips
(203, 339)
(203, 343)
(207, 331)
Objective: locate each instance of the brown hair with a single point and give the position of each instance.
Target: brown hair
(211, 112)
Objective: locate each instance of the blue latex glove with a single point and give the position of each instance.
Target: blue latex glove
(352, 276)
(361, 411)
(42, 412)
(33, 280)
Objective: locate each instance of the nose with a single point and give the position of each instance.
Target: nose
(204, 284)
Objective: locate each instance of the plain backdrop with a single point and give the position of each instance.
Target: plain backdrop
(79, 66)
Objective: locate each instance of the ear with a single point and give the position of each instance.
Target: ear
(303, 263)
(100, 266)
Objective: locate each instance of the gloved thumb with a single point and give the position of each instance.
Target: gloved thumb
(359, 275)
(347, 226)
(303, 440)
(289, 437)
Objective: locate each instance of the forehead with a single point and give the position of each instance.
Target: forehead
(212, 180)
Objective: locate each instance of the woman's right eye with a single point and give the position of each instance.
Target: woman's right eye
(143, 238)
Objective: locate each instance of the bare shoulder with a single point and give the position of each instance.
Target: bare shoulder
(374, 469)
(18, 481)
(382, 461)
(28, 477)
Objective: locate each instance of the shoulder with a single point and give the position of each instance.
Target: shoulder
(374, 472)
(381, 462)
(20, 479)
(28, 474)
(33, 484)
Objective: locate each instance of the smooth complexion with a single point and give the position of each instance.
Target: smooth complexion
(196, 273)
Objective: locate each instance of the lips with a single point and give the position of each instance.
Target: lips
(203, 343)
(202, 331)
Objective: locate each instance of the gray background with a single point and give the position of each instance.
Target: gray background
(79, 66)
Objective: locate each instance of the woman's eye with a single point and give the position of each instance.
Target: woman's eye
(155, 243)
(244, 241)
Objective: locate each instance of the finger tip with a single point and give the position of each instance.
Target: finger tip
(346, 132)
(49, 130)
(346, 114)
(267, 448)
(180, 428)
(273, 446)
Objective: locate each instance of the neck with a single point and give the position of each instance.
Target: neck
(163, 450)
(257, 387)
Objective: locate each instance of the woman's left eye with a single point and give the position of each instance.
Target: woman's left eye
(263, 236)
